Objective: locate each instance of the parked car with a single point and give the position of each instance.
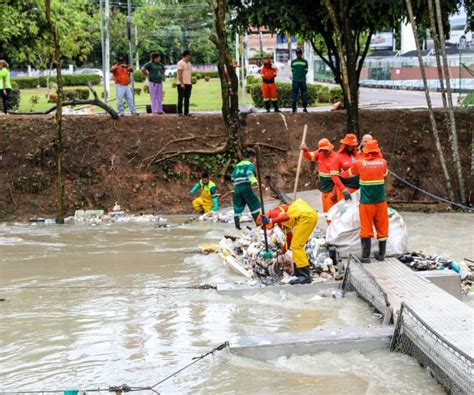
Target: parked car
(252, 69)
(460, 34)
(90, 71)
(170, 71)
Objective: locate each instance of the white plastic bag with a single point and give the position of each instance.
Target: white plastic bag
(343, 231)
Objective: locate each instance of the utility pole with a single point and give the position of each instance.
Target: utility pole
(106, 60)
(137, 60)
(260, 39)
(130, 44)
(102, 56)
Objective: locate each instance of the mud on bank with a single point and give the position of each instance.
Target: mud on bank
(107, 160)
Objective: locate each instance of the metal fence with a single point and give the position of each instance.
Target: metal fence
(450, 366)
(358, 279)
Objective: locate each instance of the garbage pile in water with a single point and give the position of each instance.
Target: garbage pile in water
(271, 267)
(224, 218)
(99, 217)
(420, 262)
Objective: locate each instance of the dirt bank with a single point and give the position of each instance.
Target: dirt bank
(107, 160)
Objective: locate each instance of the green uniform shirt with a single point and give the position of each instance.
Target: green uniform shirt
(4, 72)
(244, 173)
(372, 193)
(327, 184)
(299, 68)
(156, 71)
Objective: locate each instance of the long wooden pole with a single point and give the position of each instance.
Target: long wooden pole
(300, 159)
(259, 174)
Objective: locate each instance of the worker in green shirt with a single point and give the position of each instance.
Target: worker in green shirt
(155, 72)
(5, 85)
(299, 68)
(243, 178)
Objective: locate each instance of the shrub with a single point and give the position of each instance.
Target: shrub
(210, 74)
(206, 78)
(336, 94)
(251, 79)
(14, 98)
(198, 76)
(194, 81)
(138, 91)
(146, 89)
(26, 82)
(72, 80)
(34, 100)
(284, 95)
(323, 94)
(138, 76)
(173, 84)
(76, 94)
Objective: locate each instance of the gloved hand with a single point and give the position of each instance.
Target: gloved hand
(266, 220)
(347, 195)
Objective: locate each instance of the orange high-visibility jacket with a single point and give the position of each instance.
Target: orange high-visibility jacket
(268, 74)
(343, 161)
(372, 169)
(324, 168)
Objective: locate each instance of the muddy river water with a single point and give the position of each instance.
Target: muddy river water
(88, 307)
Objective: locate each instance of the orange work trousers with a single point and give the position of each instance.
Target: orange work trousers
(374, 214)
(340, 196)
(327, 201)
(269, 91)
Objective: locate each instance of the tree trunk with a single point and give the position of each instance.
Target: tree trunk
(434, 127)
(452, 119)
(228, 77)
(58, 117)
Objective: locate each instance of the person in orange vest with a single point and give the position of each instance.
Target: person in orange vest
(373, 209)
(269, 89)
(343, 160)
(298, 221)
(323, 156)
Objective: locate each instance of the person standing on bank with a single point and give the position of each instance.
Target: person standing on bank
(5, 85)
(184, 82)
(155, 73)
(121, 71)
(299, 68)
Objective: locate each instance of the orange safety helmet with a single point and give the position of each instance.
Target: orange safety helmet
(325, 144)
(371, 146)
(350, 140)
(267, 61)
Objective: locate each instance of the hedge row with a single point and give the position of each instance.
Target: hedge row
(203, 74)
(316, 94)
(69, 80)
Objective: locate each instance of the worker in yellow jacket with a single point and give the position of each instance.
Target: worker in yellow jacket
(208, 200)
(298, 220)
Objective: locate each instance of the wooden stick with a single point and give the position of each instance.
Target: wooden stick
(264, 226)
(300, 159)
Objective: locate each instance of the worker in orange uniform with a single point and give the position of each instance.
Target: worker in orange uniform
(298, 221)
(269, 89)
(343, 160)
(323, 156)
(373, 210)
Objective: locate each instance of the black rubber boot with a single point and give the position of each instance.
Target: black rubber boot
(303, 275)
(255, 216)
(275, 105)
(237, 223)
(267, 105)
(305, 109)
(293, 107)
(366, 243)
(380, 256)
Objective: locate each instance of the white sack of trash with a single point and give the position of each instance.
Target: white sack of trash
(343, 231)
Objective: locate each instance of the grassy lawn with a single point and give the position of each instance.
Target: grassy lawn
(206, 95)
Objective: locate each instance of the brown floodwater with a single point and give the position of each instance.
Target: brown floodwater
(90, 307)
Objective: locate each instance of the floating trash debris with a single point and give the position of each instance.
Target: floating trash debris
(245, 254)
(419, 262)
